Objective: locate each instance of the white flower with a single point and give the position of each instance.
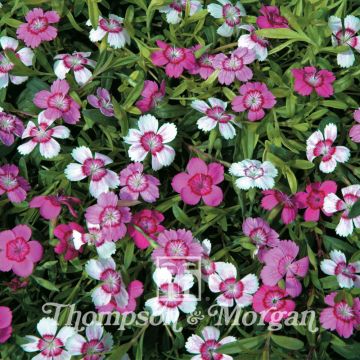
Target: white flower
(215, 115)
(254, 42)
(152, 139)
(332, 204)
(52, 342)
(345, 36)
(319, 144)
(254, 174)
(345, 274)
(174, 10)
(208, 266)
(172, 295)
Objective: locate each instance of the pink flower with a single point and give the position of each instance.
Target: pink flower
(135, 183)
(234, 67)
(64, 232)
(151, 94)
(102, 101)
(43, 135)
(200, 182)
(17, 253)
(261, 234)
(313, 198)
(224, 280)
(320, 144)
(50, 205)
(254, 42)
(273, 198)
(354, 131)
(5, 324)
(25, 55)
(333, 204)
(101, 179)
(271, 18)
(149, 222)
(10, 125)
(176, 248)
(13, 185)
(109, 215)
(271, 303)
(204, 64)
(254, 97)
(279, 263)
(58, 103)
(152, 139)
(340, 316)
(175, 59)
(309, 79)
(77, 61)
(37, 27)
(204, 346)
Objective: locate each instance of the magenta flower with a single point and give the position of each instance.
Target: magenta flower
(64, 232)
(313, 199)
(234, 67)
(176, 249)
(58, 103)
(149, 222)
(204, 64)
(254, 98)
(340, 316)
(17, 253)
(50, 205)
(280, 262)
(37, 28)
(273, 198)
(354, 131)
(5, 324)
(200, 182)
(272, 303)
(309, 79)
(13, 185)
(135, 183)
(10, 125)
(271, 18)
(109, 215)
(102, 101)
(261, 234)
(151, 94)
(175, 59)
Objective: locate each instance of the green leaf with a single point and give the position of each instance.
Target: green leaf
(239, 346)
(287, 342)
(181, 216)
(20, 69)
(335, 104)
(45, 283)
(129, 254)
(283, 33)
(94, 12)
(355, 210)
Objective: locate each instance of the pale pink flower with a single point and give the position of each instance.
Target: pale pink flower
(10, 126)
(204, 64)
(173, 296)
(135, 183)
(152, 139)
(58, 103)
(37, 28)
(261, 234)
(25, 55)
(5, 324)
(17, 252)
(204, 346)
(224, 280)
(229, 13)
(176, 249)
(234, 67)
(280, 262)
(340, 316)
(354, 131)
(113, 27)
(333, 204)
(254, 98)
(320, 144)
(111, 283)
(13, 185)
(77, 62)
(200, 182)
(64, 232)
(92, 166)
(208, 267)
(174, 11)
(271, 18)
(175, 59)
(151, 94)
(215, 114)
(51, 344)
(109, 216)
(254, 42)
(43, 135)
(102, 101)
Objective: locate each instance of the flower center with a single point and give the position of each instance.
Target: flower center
(343, 311)
(207, 350)
(41, 134)
(172, 295)
(258, 236)
(174, 55)
(201, 184)
(17, 249)
(111, 281)
(137, 182)
(7, 123)
(152, 142)
(316, 199)
(94, 168)
(254, 172)
(253, 100)
(111, 25)
(60, 102)
(233, 64)
(50, 346)
(231, 15)
(217, 113)
(92, 347)
(38, 25)
(147, 224)
(8, 182)
(346, 270)
(110, 216)
(176, 248)
(232, 288)
(74, 61)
